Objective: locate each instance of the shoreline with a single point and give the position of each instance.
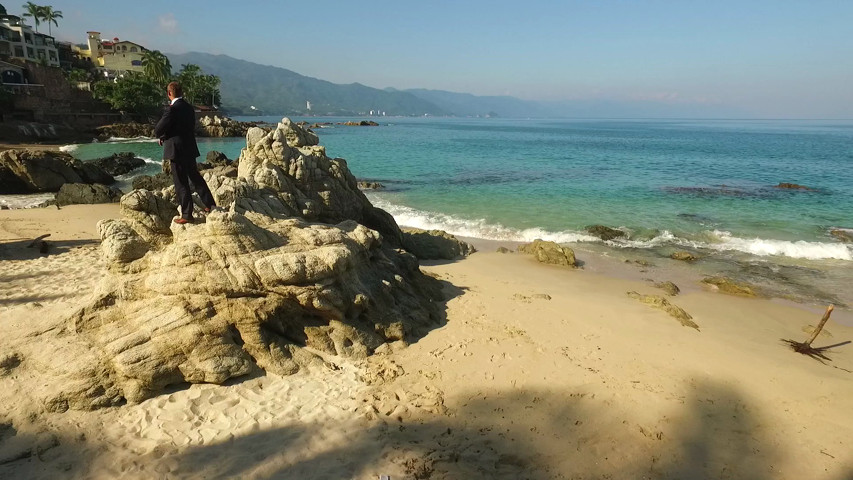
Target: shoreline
(537, 370)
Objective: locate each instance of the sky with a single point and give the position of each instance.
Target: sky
(767, 59)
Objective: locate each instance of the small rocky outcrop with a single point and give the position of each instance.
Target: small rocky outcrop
(81, 193)
(683, 256)
(285, 278)
(604, 233)
(366, 185)
(843, 234)
(435, 244)
(792, 186)
(732, 287)
(152, 182)
(28, 171)
(362, 123)
(125, 130)
(668, 287)
(217, 159)
(674, 311)
(221, 126)
(549, 252)
(119, 163)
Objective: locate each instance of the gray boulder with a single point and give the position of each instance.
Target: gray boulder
(27, 171)
(119, 163)
(152, 182)
(434, 244)
(604, 233)
(81, 193)
(549, 252)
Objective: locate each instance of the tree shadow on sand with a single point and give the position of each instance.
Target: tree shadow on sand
(716, 435)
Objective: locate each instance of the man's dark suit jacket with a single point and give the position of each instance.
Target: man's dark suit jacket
(177, 130)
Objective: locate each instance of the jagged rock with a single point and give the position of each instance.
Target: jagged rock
(119, 163)
(251, 287)
(216, 159)
(668, 287)
(684, 256)
(365, 185)
(81, 193)
(148, 182)
(549, 252)
(26, 171)
(503, 250)
(727, 285)
(673, 310)
(843, 234)
(434, 244)
(125, 130)
(220, 126)
(604, 233)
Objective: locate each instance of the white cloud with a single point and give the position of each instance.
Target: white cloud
(168, 23)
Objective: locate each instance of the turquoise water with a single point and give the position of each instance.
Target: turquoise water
(705, 186)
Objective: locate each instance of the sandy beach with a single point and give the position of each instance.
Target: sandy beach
(536, 372)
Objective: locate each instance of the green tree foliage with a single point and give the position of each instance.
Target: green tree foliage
(49, 15)
(199, 89)
(132, 94)
(34, 11)
(157, 67)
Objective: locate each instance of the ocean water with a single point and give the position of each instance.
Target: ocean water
(705, 185)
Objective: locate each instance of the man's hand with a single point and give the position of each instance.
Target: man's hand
(160, 141)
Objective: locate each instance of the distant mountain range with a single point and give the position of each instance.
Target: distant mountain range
(252, 89)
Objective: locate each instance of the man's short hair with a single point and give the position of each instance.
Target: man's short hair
(175, 89)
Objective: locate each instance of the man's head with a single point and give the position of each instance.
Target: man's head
(174, 90)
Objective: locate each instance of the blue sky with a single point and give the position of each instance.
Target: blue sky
(777, 59)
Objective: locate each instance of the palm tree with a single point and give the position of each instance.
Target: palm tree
(35, 11)
(49, 15)
(157, 66)
(189, 79)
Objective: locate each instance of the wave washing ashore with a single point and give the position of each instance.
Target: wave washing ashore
(710, 187)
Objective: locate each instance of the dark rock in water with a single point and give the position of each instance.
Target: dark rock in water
(668, 287)
(27, 171)
(119, 163)
(434, 244)
(125, 130)
(727, 285)
(81, 193)
(216, 159)
(148, 182)
(363, 123)
(605, 233)
(792, 186)
(683, 256)
(843, 234)
(549, 252)
(365, 185)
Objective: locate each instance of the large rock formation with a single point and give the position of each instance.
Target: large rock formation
(550, 252)
(435, 244)
(261, 285)
(219, 126)
(119, 163)
(28, 171)
(81, 193)
(125, 130)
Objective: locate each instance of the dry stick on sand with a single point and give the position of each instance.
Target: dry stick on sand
(806, 347)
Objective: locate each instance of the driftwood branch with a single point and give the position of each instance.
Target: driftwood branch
(37, 240)
(806, 347)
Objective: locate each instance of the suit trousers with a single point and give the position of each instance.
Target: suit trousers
(184, 173)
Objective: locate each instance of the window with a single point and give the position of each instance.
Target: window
(124, 48)
(133, 49)
(28, 38)
(52, 55)
(30, 52)
(19, 51)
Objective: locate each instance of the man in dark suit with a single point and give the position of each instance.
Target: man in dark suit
(176, 131)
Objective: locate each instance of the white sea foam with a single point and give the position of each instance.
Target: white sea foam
(719, 240)
(798, 249)
(131, 140)
(29, 200)
(477, 228)
(68, 148)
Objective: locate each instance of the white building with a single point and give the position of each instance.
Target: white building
(18, 40)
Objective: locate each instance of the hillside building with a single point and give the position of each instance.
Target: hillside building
(20, 41)
(116, 56)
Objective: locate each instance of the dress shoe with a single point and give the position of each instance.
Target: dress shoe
(181, 220)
